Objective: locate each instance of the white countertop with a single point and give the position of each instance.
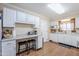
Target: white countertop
(74, 34)
(25, 36)
(18, 37)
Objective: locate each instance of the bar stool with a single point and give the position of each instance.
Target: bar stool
(22, 43)
(33, 44)
(29, 47)
(33, 41)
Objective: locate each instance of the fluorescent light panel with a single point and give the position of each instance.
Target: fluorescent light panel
(57, 8)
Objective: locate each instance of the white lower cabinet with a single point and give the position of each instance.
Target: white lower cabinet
(9, 48)
(78, 42)
(61, 38)
(66, 39)
(74, 41)
(39, 42)
(53, 37)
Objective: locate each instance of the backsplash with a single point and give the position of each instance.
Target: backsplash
(23, 29)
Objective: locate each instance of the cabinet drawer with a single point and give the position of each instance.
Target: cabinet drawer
(7, 43)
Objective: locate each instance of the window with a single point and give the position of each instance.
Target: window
(66, 26)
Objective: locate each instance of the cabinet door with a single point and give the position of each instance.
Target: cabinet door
(39, 42)
(9, 17)
(67, 40)
(74, 41)
(9, 48)
(51, 37)
(36, 22)
(20, 16)
(54, 37)
(78, 42)
(63, 38)
(30, 19)
(60, 38)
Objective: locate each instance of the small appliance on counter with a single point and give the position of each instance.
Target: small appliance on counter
(32, 32)
(29, 33)
(35, 32)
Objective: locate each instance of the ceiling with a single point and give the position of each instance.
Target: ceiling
(71, 9)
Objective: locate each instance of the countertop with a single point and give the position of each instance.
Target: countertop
(73, 34)
(18, 37)
(25, 36)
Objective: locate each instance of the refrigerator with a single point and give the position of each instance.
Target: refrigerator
(0, 34)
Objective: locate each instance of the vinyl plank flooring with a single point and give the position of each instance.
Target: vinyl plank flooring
(53, 49)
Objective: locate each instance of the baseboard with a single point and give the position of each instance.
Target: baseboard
(38, 49)
(53, 42)
(68, 45)
(63, 44)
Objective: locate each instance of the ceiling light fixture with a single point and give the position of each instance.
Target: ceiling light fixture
(58, 8)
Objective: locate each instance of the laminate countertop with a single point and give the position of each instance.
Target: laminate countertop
(20, 37)
(25, 36)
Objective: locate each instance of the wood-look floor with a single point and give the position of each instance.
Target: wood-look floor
(53, 49)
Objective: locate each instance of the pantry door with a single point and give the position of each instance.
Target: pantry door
(44, 29)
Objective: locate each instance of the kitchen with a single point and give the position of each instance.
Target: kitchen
(18, 27)
(24, 30)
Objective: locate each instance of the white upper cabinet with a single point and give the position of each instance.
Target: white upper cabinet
(30, 19)
(9, 17)
(20, 16)
(77, 22)
(36, 22)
